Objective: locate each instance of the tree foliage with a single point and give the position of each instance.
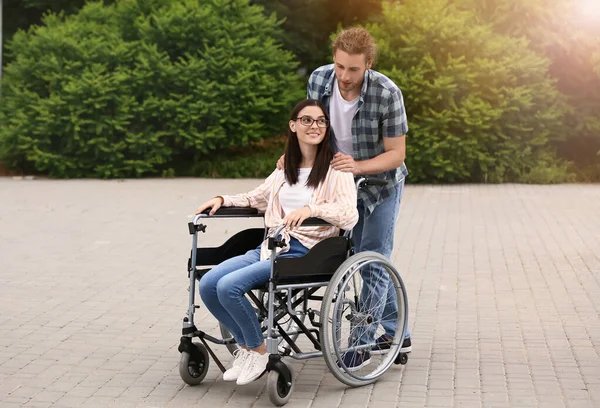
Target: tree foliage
(493, 87)
(308, 24)
(22, 14)
(561, 31)
(132, 88)
(481, 106)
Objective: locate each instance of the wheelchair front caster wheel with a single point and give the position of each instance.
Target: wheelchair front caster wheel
(401, 359)
(193, 369)
(278, 388)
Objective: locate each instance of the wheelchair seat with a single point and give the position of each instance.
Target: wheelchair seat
(318, 265)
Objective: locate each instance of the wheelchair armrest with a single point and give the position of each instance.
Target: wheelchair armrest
(312, 221)
(223, 212)
(234, 212)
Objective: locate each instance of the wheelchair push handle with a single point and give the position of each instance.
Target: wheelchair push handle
(370, 181)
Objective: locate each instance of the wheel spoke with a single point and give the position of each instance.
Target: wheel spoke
(357, 304)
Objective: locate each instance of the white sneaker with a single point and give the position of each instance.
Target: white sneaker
(254, 366)
(239, 356)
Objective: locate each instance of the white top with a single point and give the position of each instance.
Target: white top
(341, 113)
(297, 196)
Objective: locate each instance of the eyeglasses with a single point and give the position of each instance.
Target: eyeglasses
(308, 121)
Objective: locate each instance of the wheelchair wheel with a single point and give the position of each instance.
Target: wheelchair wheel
(286, 323)
(278, 388)
(193, 372)
(364, 295)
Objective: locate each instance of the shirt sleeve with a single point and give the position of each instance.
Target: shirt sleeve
(257, 198)
(394, 122)
(311, 87)
(339, 208)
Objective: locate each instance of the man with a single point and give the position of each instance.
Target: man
(369, 126)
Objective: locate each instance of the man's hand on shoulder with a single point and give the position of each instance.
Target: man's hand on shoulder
(281, 162)
(346, 163)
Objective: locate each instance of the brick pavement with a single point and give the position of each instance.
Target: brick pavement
(503, 284)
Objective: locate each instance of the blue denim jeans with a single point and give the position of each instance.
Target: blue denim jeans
(223, 291)
(375, 232)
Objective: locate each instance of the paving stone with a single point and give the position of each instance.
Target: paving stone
(503, 288)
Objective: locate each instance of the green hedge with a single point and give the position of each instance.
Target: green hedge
(187, 87)
(255, 161)
(139, 87)
(558, 30)
(480, 106)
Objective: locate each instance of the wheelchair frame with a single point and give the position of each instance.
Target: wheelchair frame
(195, 356)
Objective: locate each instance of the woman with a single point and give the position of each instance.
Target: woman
(306, 187)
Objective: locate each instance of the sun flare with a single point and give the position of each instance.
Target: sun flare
(590, 9)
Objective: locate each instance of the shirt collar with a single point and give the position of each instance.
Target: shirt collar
(329, 85)
(363, 90)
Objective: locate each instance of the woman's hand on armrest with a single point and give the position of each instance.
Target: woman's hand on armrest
(215, 203)
(297, 217)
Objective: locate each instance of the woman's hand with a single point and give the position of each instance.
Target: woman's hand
(215, 203)
(297, 217)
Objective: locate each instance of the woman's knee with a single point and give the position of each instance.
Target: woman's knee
(226, 289)
(207, 288)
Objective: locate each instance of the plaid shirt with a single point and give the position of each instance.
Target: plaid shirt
(334, 200)
(380, 114)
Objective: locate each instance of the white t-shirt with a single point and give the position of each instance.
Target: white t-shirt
(341, 113)
(296, 196)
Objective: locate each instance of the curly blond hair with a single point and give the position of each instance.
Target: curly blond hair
(356, 40)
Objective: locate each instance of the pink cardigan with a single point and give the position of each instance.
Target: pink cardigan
(334, 200)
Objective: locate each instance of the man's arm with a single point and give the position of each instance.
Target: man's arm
(392, 158)
(393, 124)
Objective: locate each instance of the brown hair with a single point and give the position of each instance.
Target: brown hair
(356, 40)
(293, 154)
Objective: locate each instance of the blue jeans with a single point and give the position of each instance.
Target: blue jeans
(375, 232)
(223, 291)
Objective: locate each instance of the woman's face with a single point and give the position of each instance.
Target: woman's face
(310, 125)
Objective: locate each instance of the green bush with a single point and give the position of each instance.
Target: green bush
(480, 105)
(559, 30)
(547, 170)
(308, 24)
(142, 86)
(256, 161)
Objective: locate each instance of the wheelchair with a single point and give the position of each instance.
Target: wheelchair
(324, 297)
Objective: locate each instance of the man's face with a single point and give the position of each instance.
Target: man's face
(350, 70)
